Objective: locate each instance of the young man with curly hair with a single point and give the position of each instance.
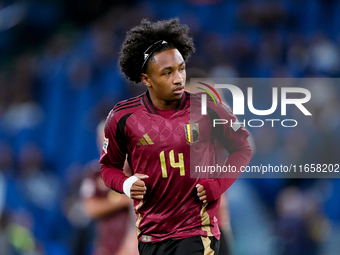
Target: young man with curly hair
(175, 214)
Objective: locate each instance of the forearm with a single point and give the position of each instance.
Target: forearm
(113, 178)
(216, 187)
(99, 207)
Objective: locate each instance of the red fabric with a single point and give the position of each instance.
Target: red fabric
(156, 145)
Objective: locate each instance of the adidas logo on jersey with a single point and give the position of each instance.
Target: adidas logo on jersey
(145, 140)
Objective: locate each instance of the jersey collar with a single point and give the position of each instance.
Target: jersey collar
(151, 109)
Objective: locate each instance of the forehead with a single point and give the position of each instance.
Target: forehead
(168, 58)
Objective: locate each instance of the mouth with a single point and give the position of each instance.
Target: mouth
(179, 90)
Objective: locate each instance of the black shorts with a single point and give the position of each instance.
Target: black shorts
(197, 245)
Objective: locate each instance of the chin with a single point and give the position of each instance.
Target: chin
(179, 95)
(174, 98)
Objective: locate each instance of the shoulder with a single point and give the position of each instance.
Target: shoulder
(215, 105)
(124, 108)
(128, 105)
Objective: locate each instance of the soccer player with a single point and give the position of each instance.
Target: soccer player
(175, 214)
(109, 209)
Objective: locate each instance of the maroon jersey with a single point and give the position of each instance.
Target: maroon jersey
(111, 229)
(160, 147)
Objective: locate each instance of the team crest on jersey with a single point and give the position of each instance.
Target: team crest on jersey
(191, 132)
(105, 144)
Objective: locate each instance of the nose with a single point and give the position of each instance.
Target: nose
(178, 78)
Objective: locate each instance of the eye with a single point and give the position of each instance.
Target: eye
(182, 68)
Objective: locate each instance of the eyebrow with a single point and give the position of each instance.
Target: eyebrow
(170, 67)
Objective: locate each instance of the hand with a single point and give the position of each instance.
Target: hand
(138, 189)
(201, 193)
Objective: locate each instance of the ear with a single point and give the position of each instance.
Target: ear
(145, 79)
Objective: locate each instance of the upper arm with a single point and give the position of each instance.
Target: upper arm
(232, 136)
(114, 147)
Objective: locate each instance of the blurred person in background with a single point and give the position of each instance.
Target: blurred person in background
(20, 230)
(300, 226)
(109, 209)
(17, 221)
(6, 173)
(37, 191)
(6, 178)
(22, 111)
(5, 244)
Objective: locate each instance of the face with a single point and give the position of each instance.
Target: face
(165, 78)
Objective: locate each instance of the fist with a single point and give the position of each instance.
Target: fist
(201, 193)
(138, 189)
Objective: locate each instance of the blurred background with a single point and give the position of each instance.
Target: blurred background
(59, 78)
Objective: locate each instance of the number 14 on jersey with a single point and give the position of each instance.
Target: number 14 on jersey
(179, 164)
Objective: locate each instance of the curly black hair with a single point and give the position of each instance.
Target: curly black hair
(141, 37)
